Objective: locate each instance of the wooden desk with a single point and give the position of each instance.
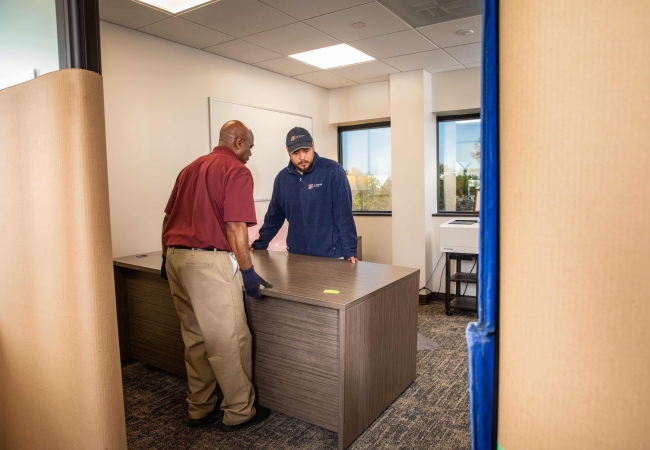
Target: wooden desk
(334, 360)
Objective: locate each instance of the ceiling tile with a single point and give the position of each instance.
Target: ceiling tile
(305, 9)
(287, 66)
(348, 84)
(434, 59)
(238, 18)
(364, 71)
(425, 12)
(129, 13)
(322, 78)
(445, 69)
(444, 34)
(394, 44)
(378, 21)
(292, 39)
(375, 80)
(186, 32)
(242, 51)
(469, 66)
(466, 54)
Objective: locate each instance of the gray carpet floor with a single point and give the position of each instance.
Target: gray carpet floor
(433, 413)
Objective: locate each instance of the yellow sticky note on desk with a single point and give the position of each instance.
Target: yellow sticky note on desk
(330, 291)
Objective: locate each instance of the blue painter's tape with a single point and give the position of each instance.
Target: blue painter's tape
(489, 211)
(480, 346)
(481, 335)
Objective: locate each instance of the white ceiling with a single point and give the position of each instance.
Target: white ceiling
(265, 32)
(377, 18)
(291, 39)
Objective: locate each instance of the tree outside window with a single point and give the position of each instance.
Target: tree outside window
(365, 154)
(459, 162)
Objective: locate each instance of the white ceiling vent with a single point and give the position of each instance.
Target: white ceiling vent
(426, 12)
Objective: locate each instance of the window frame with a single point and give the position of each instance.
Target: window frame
(449, 118)
(363, 126)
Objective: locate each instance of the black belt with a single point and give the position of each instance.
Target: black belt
(194, 248)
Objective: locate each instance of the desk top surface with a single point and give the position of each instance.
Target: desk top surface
(304, 278)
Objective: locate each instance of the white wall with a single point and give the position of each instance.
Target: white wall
(360, 103)
(373, 230)
(156, 100)
(28, 38)
(455, 91)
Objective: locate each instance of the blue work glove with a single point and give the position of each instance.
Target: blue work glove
(163, 269)
(252, 282)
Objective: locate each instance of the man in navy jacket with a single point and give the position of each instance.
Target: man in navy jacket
(314, 195)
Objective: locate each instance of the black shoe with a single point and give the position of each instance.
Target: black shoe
(205, 420)
(261, 414)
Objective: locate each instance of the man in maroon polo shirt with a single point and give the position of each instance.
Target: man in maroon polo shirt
(205, 239)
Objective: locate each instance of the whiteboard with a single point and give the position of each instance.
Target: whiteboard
(270, 128)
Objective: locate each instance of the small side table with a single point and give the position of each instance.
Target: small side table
(459, 301)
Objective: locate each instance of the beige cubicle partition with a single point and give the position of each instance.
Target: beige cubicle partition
(60, 380)
(575, 225)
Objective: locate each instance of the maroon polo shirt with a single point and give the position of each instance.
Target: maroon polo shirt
(215, 189)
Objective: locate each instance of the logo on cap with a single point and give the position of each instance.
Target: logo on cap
(298, 138)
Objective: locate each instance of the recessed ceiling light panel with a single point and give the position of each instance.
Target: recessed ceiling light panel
(174, 6)
(334, 56)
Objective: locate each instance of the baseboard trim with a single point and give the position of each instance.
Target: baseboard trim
(427, 298)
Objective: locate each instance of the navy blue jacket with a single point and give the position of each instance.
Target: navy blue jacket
(318, 206)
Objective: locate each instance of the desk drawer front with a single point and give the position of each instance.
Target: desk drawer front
(310, 324)
(296, 359)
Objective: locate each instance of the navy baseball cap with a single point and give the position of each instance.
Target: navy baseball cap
(298, 138)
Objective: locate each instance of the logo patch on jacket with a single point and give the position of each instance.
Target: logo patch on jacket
(312, 186)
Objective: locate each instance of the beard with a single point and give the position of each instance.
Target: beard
(303, 169)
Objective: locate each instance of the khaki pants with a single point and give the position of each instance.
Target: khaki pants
(207, 292)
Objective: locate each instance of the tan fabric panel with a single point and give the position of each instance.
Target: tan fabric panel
(575, 225)
(60, 379)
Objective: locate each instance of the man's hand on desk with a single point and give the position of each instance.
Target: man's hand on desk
(353, 259)
(252, 282)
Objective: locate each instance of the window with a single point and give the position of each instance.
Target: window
(364, 153)
(459, 162)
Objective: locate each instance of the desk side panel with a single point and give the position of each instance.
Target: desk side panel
(154, 327)
(122, 306)
(378, 357)
(296, 359)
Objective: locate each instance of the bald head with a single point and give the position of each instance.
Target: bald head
(238, 138)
